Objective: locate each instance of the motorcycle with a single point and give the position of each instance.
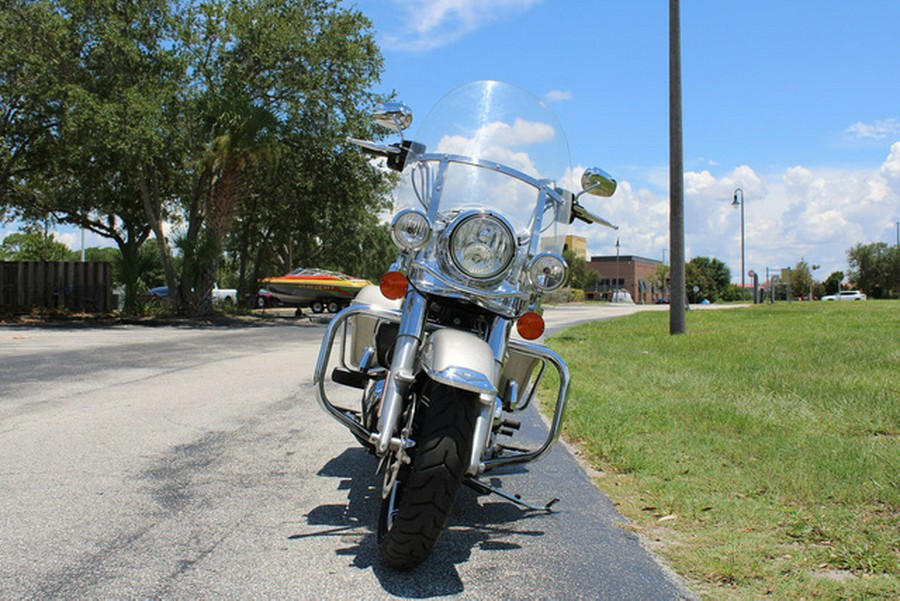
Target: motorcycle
(480, 232)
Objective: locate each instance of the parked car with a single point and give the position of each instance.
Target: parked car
(265, 299)
(219, 295)
(620, 296)
(224, 295)
(845, 295)
(160, 293)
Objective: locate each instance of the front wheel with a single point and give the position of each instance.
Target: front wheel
(417, 497)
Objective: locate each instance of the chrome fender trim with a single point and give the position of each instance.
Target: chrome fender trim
(461, 360)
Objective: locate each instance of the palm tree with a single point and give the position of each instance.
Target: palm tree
(241, 135)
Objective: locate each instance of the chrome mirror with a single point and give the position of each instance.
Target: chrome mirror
(597, 182)
(393, 115)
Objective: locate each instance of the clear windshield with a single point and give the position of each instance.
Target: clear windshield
(505, 146)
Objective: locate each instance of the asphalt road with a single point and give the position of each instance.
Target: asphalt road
(193, 462)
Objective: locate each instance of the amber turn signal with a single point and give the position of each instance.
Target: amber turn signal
(530, 326)
(394, 285)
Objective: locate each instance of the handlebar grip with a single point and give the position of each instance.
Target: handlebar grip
(579, 212)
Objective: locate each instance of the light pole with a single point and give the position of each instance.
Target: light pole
(735, 204)
(616, 289)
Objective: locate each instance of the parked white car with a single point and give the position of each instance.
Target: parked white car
(845, 295)
(224, 295)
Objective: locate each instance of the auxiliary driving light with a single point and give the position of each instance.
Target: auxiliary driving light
(547, 271)
(410, 229)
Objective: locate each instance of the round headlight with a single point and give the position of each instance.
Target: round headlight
(482, 246)
(547, 271)
(410, 229)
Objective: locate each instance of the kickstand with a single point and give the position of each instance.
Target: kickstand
(479, 486)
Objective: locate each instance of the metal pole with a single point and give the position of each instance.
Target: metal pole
(734, 204)
(616, 289)
(677, 308)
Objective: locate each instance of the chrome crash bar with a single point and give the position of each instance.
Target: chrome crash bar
(349, 418)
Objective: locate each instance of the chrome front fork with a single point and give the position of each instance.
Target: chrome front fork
(403, 370)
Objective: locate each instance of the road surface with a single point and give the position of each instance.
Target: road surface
(194, 462)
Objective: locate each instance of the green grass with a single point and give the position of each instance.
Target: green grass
(760, 452)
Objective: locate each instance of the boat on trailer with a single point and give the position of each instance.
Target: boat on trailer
(317, 289)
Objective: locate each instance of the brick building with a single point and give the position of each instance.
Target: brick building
(635, 275)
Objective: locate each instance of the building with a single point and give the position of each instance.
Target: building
(628, 272)
(577, 245)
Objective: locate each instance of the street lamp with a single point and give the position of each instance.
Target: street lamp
(616, 289)
(735, 203)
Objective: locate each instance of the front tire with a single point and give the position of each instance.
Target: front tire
(415, 507)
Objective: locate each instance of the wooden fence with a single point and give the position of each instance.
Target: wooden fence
(82, 287)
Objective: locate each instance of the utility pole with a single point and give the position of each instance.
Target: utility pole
(616, 289)
(676, 176)
(735, 203)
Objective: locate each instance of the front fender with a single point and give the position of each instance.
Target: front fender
(461, 360)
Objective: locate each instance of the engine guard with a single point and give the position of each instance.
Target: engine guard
(455, 360)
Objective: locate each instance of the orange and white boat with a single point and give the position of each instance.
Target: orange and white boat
(315, 288)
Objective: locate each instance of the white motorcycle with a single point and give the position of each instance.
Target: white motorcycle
(480, 235)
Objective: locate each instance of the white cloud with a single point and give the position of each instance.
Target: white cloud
(878, 130)
(558, 95)
(502, 142)
(891, 167)
(801, 213)
(428, 25)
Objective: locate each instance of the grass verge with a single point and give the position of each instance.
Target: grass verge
(760, 452)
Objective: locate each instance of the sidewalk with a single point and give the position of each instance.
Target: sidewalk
(558, 317)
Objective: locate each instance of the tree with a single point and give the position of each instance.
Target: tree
(30, 110)
(660, 281)
(801, 280)
(710, 276)
(103, 80)
(281, 85)
(875, 269)
(158, 116)
(833, 282)
(580, 276)
(31, 245)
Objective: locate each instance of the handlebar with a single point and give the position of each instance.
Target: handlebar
(582, 214)
(395, 153)
(381, 150)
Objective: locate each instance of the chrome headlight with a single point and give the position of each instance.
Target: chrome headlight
(482, 245)
(410, 229)
(547, 271)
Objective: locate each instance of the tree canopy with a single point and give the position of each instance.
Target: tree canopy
(711, 277)
(215, 125)
(875, 269)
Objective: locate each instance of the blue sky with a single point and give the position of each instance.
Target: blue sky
(796, 102)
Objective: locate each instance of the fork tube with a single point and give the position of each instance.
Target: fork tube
(402, 373)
